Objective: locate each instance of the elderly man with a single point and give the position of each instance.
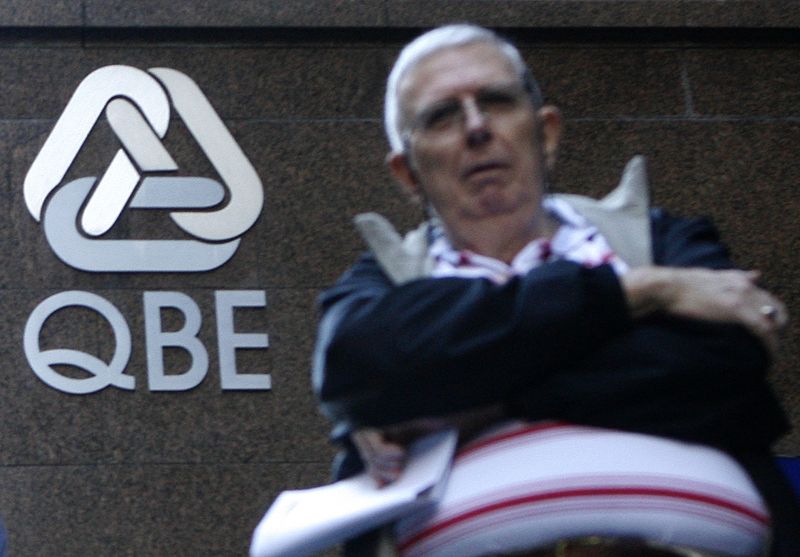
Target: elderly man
(620, 331)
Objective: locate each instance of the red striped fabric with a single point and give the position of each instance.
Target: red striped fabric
(531, 484)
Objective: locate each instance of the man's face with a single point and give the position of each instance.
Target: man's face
(475, 143)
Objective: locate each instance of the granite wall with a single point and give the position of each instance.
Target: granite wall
(709, 91)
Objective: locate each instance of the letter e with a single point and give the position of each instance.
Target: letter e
(229, 340)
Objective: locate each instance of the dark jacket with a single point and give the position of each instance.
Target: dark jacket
(556, 343)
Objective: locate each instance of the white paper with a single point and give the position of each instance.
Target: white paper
(302, 522)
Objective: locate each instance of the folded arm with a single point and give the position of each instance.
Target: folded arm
(694, 279)
(387, 354)
(436, 350)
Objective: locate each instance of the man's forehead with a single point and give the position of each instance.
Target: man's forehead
(455, 69)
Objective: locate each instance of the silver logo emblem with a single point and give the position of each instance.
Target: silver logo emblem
(137, 105)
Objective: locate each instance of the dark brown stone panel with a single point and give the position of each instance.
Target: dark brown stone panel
(7, 143)
(750, 82)
(238, 13)
(41, 13)
(47, 424)
(606, 81)
(157, 509)
(742, 13)
(402, 13)
(536, 13)
(276, 82)
(45, 79)
(317, 176)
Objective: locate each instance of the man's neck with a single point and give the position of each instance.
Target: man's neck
(502, 237)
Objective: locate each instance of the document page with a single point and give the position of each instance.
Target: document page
(302, 522)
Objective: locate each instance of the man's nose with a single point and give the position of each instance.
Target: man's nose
(473, 115)
(476, 124)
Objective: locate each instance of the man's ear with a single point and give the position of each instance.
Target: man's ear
(550, 124)
(403, 171)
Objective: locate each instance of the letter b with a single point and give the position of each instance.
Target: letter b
(157, 339)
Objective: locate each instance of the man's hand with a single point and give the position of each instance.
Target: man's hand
(729, 296)
(384, 460)
(384, 450)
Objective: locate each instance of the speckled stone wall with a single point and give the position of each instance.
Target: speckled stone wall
(710, 95)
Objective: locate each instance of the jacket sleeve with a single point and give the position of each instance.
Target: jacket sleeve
(386, 354)
(696, 243)
(681, 242)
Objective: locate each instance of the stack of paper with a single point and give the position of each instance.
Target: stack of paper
(303, 522)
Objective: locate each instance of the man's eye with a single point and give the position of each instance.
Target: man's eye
(441, 116)
(497, 99)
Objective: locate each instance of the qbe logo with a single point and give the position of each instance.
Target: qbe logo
(136, 104)
(76, 214)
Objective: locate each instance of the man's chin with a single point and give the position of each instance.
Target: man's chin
(493, 204)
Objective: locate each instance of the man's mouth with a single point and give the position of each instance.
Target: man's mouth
(478, 169)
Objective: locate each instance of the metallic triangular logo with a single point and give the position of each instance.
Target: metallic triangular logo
(137, 105)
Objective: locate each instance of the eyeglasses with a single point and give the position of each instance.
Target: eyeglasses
(449, 116)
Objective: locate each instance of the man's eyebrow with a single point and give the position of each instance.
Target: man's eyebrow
(510, 86)
(489, 87)
(437, 104)
(429, 109)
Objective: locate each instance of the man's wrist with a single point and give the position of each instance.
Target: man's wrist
(648, 290)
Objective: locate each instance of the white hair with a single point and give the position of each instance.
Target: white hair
(448, 36)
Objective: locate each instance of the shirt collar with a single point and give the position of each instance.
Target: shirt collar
(575, 239)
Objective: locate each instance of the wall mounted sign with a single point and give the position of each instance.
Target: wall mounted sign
(77, 214)
(136, 104)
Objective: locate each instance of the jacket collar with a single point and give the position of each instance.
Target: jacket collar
(622, 217)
